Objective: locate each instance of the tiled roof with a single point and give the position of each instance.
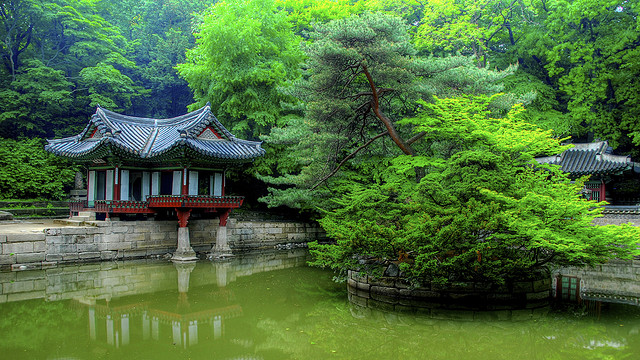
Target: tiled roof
(589, 159)
(149, 139)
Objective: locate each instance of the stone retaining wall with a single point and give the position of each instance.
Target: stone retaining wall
(615, 281)
(618, 218)
(394, 293)
(110, 240)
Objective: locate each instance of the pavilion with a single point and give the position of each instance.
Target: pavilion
(171, 166)
(606, 171)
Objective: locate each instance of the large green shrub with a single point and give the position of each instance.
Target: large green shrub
(27, 171)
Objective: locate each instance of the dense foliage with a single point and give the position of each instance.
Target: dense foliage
(484, 210)
(29, 172)
(246, 51)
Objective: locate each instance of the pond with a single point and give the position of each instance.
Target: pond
(271, 306)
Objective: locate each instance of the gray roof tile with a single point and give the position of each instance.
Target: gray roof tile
(147, 139)
(589, 159)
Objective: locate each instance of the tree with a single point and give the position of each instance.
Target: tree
(36, 102)
(484, 210)
(246, 50)
(48, 48)
(159, 33)
(362, 76)
(588, 48)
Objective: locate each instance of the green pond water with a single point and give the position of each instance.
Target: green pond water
(271, 306)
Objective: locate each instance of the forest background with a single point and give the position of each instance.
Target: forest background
(574, 72)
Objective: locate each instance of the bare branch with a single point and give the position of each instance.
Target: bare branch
(416, 137)
(356, 151)
(375, 105)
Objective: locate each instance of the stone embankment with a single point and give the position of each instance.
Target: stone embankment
(616, 281)
(110, 240)
(394, 293)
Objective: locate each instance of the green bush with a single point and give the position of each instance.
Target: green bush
(27, 171)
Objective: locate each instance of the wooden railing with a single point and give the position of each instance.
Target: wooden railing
(195, 201)
(77, 205)
(122, 206)
(159, 201)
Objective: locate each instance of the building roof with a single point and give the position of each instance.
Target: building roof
(197, 133)
(589, 159)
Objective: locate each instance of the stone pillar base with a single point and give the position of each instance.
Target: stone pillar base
(184, 252)
(221, 248)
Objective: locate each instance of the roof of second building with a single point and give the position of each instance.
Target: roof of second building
(589, 159)
(148, 139)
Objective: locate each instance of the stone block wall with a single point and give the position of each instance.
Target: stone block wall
(247, 235)
(395, 294)
(111, 240)
(618, 219)
(615, 280)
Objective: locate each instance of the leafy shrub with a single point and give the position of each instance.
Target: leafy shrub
(27, 171)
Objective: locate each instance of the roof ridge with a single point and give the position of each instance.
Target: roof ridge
(147, 147)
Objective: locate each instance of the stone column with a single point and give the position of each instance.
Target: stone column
(184, 273)
(221, 248)
(184, 252)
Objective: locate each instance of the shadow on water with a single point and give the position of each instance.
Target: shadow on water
(271, 306)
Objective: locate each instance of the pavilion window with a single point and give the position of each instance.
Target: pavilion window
(101, 185)
(155, 183)
(146, 184)
(109, 185)
(91, 187)
(124, 184)
(217, 184)
(166, 183)
(193, 183)
(176, 189)
(135, 186)
(203, 184)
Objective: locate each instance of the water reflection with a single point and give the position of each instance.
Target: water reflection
(181, 325)
(269, 306)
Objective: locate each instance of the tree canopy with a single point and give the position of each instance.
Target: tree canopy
(483, 211)
(245, 51)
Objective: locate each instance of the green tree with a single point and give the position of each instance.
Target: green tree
(588, 47)
(246, 50)
(483, 211)
(158, 33)
(45, 47)
(36, 102)
(362, 76)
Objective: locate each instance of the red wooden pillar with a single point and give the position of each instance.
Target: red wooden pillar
(602, 191)
(116, 184)
(185, 182)
(224, 181)
(224, 217)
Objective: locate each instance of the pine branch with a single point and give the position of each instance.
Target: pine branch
(356, 151)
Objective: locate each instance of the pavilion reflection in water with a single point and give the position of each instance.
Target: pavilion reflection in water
(180, 319)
